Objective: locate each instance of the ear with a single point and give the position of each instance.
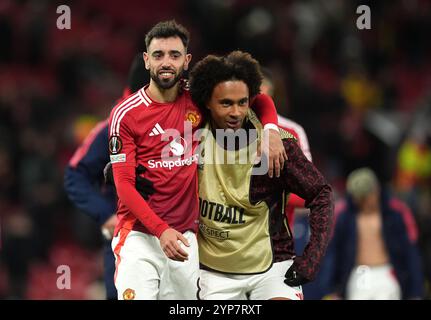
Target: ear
(146, 60)
(187, 61)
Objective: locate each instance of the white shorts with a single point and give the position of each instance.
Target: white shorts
(143, 271)
(263, 286)
(373, 283)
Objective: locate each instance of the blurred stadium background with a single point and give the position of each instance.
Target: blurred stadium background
(363, 97)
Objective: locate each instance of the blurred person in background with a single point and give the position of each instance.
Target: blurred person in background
(83, 179)
(298, 132)
(373, 253)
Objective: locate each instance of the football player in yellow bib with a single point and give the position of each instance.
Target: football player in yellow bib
(240, 206)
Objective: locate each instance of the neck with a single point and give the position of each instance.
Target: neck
(237, 146)
(162, 95)
(369, 209)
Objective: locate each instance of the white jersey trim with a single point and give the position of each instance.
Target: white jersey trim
(119, 109)
(146, 101)
(117, 125)
(145, 95)
(302, 136)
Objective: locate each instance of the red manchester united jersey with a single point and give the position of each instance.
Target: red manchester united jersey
(157, 136)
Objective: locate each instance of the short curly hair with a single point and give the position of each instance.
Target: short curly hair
(167, 29)
(212, 70)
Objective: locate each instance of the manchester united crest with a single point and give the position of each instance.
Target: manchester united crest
(129, 294)
(194, 117)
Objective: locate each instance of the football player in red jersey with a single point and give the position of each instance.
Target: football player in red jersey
(155, 241)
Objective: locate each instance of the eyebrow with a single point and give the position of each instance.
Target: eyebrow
(226, 100)
(170, 52)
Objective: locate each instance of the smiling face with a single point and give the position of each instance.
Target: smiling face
(166, 59)
(229, 104)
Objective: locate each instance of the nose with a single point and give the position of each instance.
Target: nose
(167, 63)
(235, 111)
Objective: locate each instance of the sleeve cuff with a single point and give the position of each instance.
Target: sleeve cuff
(271, 126)
(160, 230)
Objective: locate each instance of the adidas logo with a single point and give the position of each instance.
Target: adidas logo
(157, 129)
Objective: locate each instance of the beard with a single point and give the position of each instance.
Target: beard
(166, 83)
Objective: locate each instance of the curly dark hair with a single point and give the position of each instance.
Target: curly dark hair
(167, 29)
(212, 70)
